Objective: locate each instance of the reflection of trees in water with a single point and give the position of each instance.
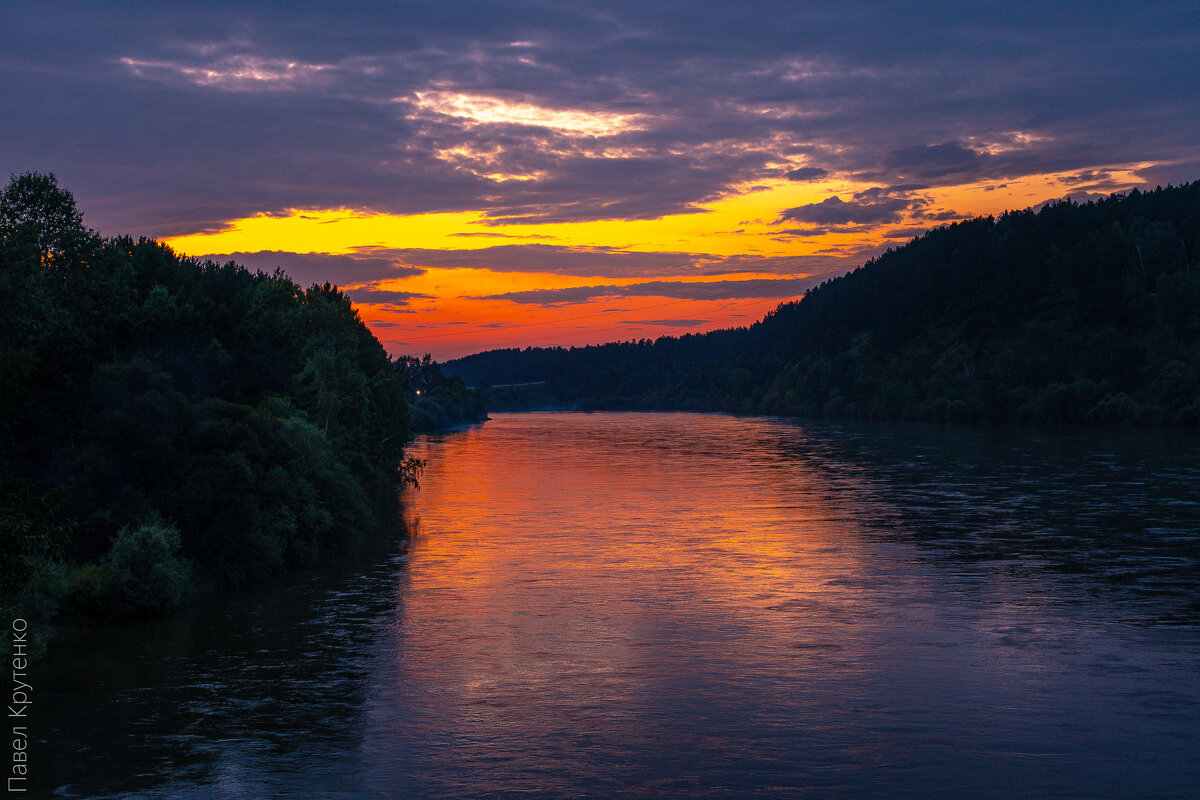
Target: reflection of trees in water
(1118, 510)
(278, 674)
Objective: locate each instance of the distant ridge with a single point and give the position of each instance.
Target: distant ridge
(1067, 313)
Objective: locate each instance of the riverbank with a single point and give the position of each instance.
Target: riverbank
(167, 423)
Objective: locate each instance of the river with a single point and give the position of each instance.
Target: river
(677, 605)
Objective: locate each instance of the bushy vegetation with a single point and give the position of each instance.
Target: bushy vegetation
(437, 401)
(157, 412)
(1071, 313)
(144, 573)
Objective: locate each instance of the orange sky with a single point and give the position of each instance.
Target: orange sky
(540, 174)
(449, 313)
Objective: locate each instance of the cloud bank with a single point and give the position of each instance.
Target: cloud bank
(165, 120)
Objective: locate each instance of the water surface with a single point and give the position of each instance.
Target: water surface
(653, 605)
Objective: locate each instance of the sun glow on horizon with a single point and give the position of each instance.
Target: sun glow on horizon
(449, 301)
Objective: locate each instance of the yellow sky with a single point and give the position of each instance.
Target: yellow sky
(453, 320)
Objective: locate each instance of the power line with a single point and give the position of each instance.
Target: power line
(715, 296)
(502, 345)
(554, 321)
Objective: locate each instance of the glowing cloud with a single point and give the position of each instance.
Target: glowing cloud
(484, 110)
(243, 73)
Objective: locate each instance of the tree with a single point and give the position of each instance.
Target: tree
(36, 215)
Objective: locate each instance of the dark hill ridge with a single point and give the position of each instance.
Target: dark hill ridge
(163, 419)
(1069, 313)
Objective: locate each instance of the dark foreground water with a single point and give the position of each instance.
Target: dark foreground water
(636, 605)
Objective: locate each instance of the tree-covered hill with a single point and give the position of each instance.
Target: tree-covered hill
(1079, 313)
(437, 401)
(162, 418)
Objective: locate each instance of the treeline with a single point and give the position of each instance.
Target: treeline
(437, 401)
(620, 375)
(1070, 313)
(164, 420)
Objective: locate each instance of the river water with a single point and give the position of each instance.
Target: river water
(673, 605)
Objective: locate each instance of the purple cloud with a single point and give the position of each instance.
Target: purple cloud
(164, 120)
(870, 207)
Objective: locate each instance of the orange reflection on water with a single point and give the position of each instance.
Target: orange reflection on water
(683, 605)
(612, 531)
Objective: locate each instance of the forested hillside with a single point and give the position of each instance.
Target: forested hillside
(1079, 313)
(437, 401)
(163, 419)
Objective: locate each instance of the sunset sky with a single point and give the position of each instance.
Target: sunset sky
(483, 175)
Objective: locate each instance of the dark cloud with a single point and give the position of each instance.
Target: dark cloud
(309, 268)
(935, 162)
(596, 261)
(683, 290)
(941, 216)
(169, 119)
(806, 174)
(1174, 172)
(373, 296)
(870, 207)
(1087, 176)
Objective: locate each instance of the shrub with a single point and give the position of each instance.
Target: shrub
(143, 574)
